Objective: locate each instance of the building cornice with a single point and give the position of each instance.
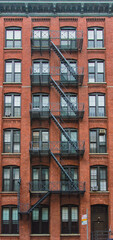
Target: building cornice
(56, 8)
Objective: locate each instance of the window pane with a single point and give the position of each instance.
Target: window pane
(36, 68)
(36, 174)
(6, 173)
(91, 34)
(8, 67)
(74, 214)
(9, 34)
(17, 34)
(16, 173)
(7, 137)
(101, 101)
(92, 136)
(16, 136)
(8, 100)
(17, 101)
(35, 136)
(64, 34)
(14, 214)
(45, 137)
(91, 66)
(102, 138)
(73, 136)
(45, 34)
(64, 214)
(35, 215)
(5, 214)
(103, 185)
(45, 101)
(100, 67)
(99, 34)
(45, 174)
(92, 101)
(36, 101)
(37, 33)
(17, 67)
(44, 214)
(45, 68)
(71, 34)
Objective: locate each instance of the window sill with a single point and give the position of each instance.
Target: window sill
(9, 235)
(98, 154)
(103, 48)
(70, 235)
(39, 235)
(7, 48)
(97, 83)
(12, 83)
(100, 192)
(8, 192)
(17, 118)
(11, 154)
(97, 117)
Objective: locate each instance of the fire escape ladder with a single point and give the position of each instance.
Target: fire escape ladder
(64, 171)
(63, 95)
(64, 132)
(38, 202)
(63, 59)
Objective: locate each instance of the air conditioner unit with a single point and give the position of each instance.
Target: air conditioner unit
(95, 188)
(102, 131)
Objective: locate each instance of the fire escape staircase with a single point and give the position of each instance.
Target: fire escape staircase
(63, 95)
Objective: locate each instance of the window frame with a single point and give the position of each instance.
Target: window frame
(68, 75)
(12, 107)
(11, 179)
(40, 137)
(11, 130)
(41, 29)
(40, 95)
(66, 108)
(98, 179)
(95, 73)
(13, 78)
(41, 62)
(70, 148)
(65, 183)
(41, 180)
(41, 223)
(10, 221)
(95, 41)
(68, 40)
(69, 222)
(13, 40)
(98, 144)
(96, 95)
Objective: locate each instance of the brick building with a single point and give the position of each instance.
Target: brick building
(56, 115)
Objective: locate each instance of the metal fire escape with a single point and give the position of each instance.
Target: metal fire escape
(63, 95)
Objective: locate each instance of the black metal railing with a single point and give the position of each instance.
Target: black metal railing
(57, 147)
(39, 113)
(61, 186)
(100, 235)
(41, 79)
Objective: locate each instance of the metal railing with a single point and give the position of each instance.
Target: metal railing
(57, 147)
(101, 235)
(37, 112)
(59, 186)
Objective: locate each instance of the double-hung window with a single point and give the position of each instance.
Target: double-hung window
(65, 183)
(69, 219)
(40, 139)
(68, 38)
(10, 223)
(13, 71)
(41, 37)
(66, 146)
(95, 37)
(11, 141)
(41, 71)
(96, 71)
(12, 105)
(13, 37)
(41, 102)
(98, 178)
(66, 75)
(65, 108)
(98, 142)
(40, 220)
(10, 178)
(40, 178)
(97, 105)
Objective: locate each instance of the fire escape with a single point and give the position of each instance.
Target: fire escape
(51, 149)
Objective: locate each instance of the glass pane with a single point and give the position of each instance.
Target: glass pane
(74, 214)
(91, 34)
(64, 34)
(74, 173)
(36, 68)
(36, 174)
(16, 147)
(99, 34)
(45, 174)
(17, 101)
(103, 185)
(36, 102)
(37, 33)
(14, 214)
(6, 173)
(44, 214)
(93, 173)
(91, 77)
(92, 136)
(8, 67)
(45, 68)
(45, 101)
(35, 136)
(73, 100)
(16, 136)
(7, 137)
(64, 214)
(9, 34)
(63, 138)
(5, 214)
(16, 173)
(17, 34)
(35, 215)
(91, 66)
(45, 34)
(101, 101)
(73, 136)
(63, 68)
(45, 136)
(71, 34)
(17, 67)
(102, 138)
(92, 101)
(100, 67)
(63, 103)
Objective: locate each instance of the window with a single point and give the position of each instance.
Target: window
(65, 108)
(97, 105)
(13, 71)
(95, 37)
(10, 178)
(69, 216)
(98, 143)
(40, 220)
(40, 139)
(41, 37)
(11, 141)
(40, 176)
(96, 71)
(41, 67)
(12, 105)
(65, 183)
(98, 178)
(10, 222)
(41, 102)
(13, 37)
(66, 147)
(68, 38)
(66, 76)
